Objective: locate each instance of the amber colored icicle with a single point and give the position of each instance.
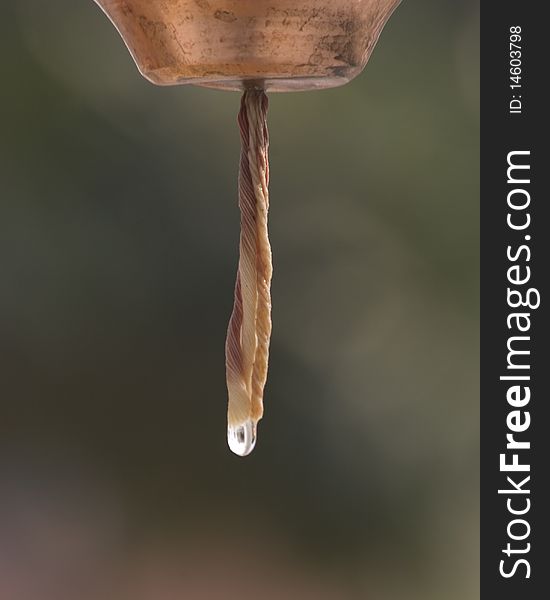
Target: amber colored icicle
(249, 331)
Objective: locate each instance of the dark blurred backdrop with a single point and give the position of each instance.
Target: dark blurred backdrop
(118, 251)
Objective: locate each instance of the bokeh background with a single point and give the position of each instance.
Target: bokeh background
(118, 251)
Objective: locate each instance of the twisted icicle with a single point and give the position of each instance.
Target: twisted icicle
(247, 344)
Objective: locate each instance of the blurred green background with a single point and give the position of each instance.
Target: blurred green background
(118, 252)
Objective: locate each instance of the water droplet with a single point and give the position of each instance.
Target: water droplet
(242, 437)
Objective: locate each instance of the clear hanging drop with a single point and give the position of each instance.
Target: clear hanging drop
(241, 438)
